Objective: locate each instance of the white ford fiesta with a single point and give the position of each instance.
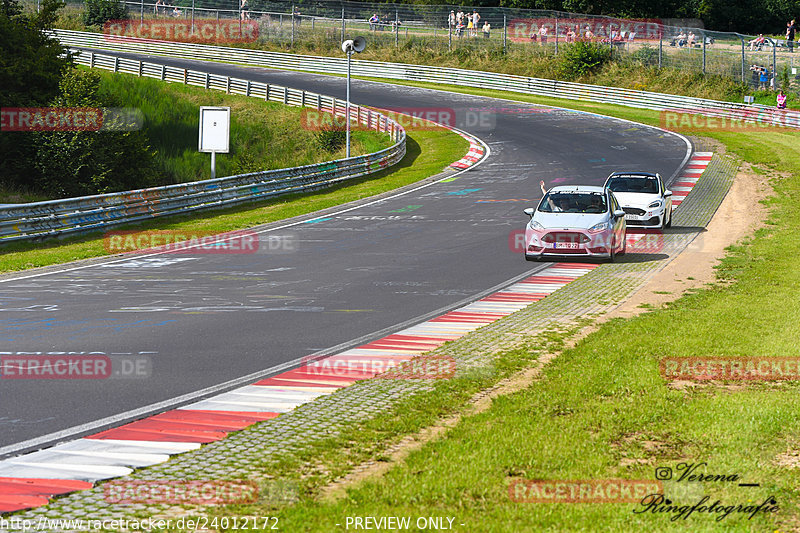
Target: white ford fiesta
(644, 198)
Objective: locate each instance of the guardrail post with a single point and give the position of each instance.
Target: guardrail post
(247, 90)
(207, 79)
(302, 98)
(266, 93)
(91, 58)
(116, 64)
(141, 68)
(185, 76)
(163, 72)
(285, 96)
(312, 23)
(227, 85)
(319, 101)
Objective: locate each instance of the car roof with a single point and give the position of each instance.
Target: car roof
(578, 188)
(633, 175)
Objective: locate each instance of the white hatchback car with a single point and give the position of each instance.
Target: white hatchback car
(574, 221)
(643, 197)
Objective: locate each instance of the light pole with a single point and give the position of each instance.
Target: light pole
(348, 47)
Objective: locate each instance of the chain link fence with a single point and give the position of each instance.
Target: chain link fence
(665, 43)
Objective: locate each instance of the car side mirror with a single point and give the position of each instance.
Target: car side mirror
(667, 192)
(619, 213)
(529, 211)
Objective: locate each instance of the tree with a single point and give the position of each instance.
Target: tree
(77, 163)
(32, 65)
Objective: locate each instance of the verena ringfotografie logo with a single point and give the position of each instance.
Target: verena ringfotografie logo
(420, 367)
(730, 368)
(755, 119)
(582, 491)
(189, 242)
(181, 491)
(187, 31)
(70, 119)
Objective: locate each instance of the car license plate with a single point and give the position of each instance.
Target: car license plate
(572, 245)
(632, 217)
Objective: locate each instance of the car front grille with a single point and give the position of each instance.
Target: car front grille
(634, 211)
(565, 236)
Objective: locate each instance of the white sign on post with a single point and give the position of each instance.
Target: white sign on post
(215, 129)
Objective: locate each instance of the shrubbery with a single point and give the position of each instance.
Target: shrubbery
(98, 12)
(582, 58)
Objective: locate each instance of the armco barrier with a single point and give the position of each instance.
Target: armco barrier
(74, 215)
(423, 73)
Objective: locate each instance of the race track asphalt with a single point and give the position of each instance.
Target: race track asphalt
(202, 320)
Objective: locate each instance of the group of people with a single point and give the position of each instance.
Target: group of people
(468, 22)
(377, 23)
(687, 40)
(164, 8)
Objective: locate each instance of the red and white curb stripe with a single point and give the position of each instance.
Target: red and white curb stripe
(30, 480)
(474, 154)
(691, 173)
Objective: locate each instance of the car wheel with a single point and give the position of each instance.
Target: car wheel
(624, 247)
(664, 221)
(612, 255)
(669, 223)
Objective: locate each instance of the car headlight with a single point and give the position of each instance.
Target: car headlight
(599, 227)
(655, 204)
(535, 225)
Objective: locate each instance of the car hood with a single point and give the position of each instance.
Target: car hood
(569, 220)
(636, 199)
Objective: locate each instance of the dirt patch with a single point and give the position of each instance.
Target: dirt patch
(738, 216)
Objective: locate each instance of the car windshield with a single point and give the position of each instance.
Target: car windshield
(642, 184)
(573, 202)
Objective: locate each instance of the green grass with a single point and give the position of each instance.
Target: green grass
(264, 135)
(601, 410)
(428, 152)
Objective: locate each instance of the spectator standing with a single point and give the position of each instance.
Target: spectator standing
(781, 100)
(791, 28)
(451, 21)
(373, 21)
(763, 78)
(476, 18)
(542, 34)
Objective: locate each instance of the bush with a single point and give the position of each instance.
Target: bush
(582, 58)
(77, 163)
(98, 12)
(331, 138)
(646, 55)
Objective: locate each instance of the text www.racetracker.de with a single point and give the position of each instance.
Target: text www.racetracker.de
(199, 523)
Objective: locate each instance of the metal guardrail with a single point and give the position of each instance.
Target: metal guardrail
(424, 73)
(73, 215)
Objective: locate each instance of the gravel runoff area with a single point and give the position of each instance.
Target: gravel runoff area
(249, 453)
